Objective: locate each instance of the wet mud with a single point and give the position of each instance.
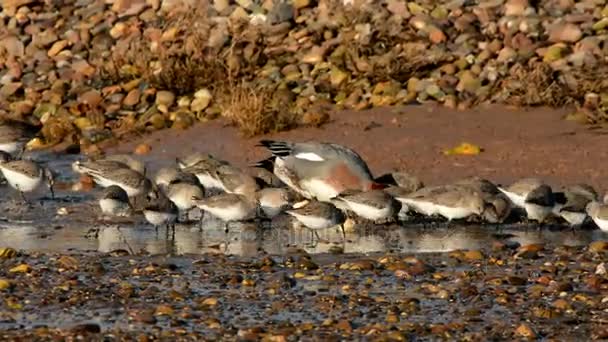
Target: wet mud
(68, 272)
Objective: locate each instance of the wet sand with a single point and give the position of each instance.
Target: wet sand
(86, 277)
(517, 143)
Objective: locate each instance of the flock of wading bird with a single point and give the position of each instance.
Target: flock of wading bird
(318, 184)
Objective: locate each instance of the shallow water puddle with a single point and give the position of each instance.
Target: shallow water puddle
(41, 226)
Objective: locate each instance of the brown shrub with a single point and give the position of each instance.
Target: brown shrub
(257, 109)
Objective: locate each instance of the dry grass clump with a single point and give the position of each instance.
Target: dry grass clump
(540, 85)
(173, 56)
(532, 85)
(257, 109)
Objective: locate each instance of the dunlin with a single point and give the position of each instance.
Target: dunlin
(320, 170)
(599, 214)
(317, 215)
(572, 205)
(114, 201)
(402, 179)
(198, 158)
(166, 175)
(479, 184)
(497, 209)
(161, 212)
(273, 201)
(574, 211)
(205, 170)
(181, 193)
(518, 191)
(14, 136)
(228, 207)
(373, 205)
(25, 175)
(458, 203)
(133, 182)
(264, 172)
(233, 180)
(128, 160)
(449, 201)
(418, 201)
(539, 203)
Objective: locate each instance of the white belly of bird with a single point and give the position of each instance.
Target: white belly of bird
(453, 213)
(537, 212)
(156, 218)
(209, 182)
(602, 224)
(516, 199)
(271, 210)
(573, 218)
(11, 147)
(421, 207)
(319, 189)
(104, 183)
(110, 206)
(370, 212)
(233, 212)
(314, 222)
(20, 181)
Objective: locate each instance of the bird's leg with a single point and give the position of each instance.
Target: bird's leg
(173, 231)
(23, 198)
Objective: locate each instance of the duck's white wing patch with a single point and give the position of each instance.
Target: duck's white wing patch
(309, 156)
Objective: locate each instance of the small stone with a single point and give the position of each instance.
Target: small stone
(10, 88)
(299, 4)
(142, 149)
(164, 310)
(553, 53)
(57, 47)
(598, 246)
(68, 262)
(84, 68)
(525, 330)
(202, 99)
(239, 14)
(132, 98)
(22, 268)
(337, 77)
(314, 56)
(4, 284)
(473, 255)
(415, 9)
(221, 5)
(506, 54)
(468, 82)
(244, 3)
(82, 123)
(516, 7)
(601, 24)
(92, 98)
(211, 301)
(165, 98)
(565, 32)
(398, 8)
(118, 30)
(13, 46)
(183, 120)
(436, 35)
